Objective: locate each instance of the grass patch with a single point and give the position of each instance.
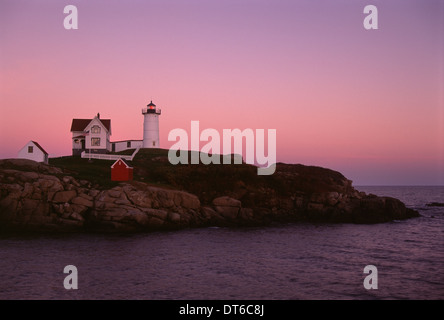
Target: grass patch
(239, 181)
(152, 166)
(97, 171)
(127, 152)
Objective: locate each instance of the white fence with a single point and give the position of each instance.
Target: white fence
(109, 156)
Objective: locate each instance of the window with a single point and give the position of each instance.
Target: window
(95, 129)
(128, 144)
(95, 142)
(30, 149)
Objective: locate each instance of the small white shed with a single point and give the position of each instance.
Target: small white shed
(33, 151)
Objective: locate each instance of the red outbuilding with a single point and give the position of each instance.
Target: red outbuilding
(121, 171)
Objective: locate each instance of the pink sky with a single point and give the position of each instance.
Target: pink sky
(366, 103)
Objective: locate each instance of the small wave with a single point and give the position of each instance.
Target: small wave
(408, 240)
(435, 204)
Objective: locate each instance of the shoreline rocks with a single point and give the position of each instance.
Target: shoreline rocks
(39, 197)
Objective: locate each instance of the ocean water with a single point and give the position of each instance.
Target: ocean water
(288, 261)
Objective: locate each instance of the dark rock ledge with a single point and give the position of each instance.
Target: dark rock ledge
(435, 204)
(39, 197)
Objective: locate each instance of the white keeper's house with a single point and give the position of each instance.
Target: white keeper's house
(93, 135)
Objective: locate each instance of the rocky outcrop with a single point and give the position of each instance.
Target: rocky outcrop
(227, 207)
(40, 197)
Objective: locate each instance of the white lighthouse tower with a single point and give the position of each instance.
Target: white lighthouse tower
(151, 126)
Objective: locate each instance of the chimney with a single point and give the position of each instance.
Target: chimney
(98, 115)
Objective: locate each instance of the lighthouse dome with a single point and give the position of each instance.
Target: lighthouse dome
(151, 105)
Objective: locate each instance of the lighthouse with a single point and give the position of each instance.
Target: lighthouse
(151, 126)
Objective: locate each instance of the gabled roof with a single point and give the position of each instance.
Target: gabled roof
(81, 124)
(39, 146)
(120, 159)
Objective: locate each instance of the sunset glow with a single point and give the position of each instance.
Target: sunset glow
(368, 103)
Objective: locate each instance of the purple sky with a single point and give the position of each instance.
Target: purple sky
(366, 103)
